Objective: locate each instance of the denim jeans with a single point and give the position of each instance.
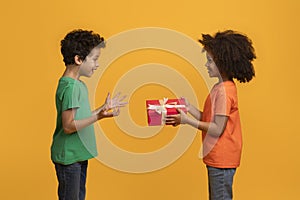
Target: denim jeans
(71, 180)
(220, 183)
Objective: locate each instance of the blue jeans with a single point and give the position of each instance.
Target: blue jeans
(71, 180)
(220, 183)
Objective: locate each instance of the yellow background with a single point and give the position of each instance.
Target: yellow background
(31, 65)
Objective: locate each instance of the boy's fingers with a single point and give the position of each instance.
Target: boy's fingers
(122, 104)
(117, 95)
(119, 104)
(116, 112)
(122, 98)
(108, 95)
(107, 100)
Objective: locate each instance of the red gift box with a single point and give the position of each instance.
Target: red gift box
(157, 108)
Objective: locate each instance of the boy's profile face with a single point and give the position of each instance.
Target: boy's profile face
(90, 63)
(211, 66)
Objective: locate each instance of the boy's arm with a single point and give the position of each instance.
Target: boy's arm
(70, 125)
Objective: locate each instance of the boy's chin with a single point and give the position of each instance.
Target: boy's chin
(89, 75)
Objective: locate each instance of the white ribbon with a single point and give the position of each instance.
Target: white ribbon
(162, 108)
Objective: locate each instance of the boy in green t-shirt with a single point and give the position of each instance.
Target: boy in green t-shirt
(74, 139)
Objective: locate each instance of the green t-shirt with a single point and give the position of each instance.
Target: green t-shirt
(81, 145)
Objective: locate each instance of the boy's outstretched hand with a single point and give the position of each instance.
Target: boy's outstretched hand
(115, 102)
(111, 107)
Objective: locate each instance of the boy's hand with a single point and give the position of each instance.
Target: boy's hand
(175, 120)
(113, 104)
(103, 113)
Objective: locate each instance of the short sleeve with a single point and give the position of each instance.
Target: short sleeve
(222, 103)
(70, 97)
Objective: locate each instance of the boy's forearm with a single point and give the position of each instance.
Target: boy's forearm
(70, 125)
(77, 125)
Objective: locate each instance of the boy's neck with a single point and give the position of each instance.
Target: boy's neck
(72, 71)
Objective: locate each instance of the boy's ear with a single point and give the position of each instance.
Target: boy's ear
(77, 60)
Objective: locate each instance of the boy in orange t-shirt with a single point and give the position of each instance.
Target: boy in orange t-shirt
(229, 55)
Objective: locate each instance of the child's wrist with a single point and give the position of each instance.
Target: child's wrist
(188, 108)
(99, 115)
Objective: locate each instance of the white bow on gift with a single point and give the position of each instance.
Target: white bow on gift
(162, 108)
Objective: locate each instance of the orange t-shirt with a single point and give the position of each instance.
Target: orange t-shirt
(224, 151)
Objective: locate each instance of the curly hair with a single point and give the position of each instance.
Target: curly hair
(79, 42)
(233, 54)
